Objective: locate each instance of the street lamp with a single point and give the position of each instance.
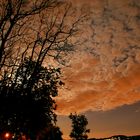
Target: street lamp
(7, 135)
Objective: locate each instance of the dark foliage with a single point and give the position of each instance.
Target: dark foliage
(79, 123)
(26, 99)
(50, 133)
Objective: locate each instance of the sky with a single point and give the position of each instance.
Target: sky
(103, 77)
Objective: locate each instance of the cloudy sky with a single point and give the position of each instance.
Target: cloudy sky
(103, 80)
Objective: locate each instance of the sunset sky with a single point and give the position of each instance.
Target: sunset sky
(103, 79)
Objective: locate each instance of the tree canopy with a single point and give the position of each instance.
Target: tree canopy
(26, 101)
(79, 130)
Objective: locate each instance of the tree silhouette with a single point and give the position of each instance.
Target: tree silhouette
(32, 35)
(79, 123)
(36, 29)
(26, 103)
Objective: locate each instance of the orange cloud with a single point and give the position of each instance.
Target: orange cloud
(105, 74)
(101, 95)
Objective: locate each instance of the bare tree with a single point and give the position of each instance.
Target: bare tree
(14, 15)
(36, 29)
